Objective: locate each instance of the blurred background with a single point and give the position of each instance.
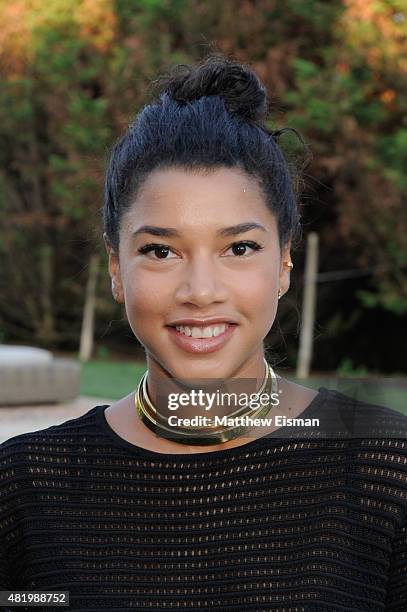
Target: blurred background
(73, 75)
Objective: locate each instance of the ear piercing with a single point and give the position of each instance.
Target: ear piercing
(114, 291)
(291, 266)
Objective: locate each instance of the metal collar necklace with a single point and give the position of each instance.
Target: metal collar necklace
(202, 435)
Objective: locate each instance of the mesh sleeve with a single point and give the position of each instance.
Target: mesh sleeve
(397, 584)
(4, 577)
(5, 580)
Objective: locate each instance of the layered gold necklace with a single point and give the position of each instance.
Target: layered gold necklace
(203, 435)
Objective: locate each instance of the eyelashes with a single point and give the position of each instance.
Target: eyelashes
(147, 248)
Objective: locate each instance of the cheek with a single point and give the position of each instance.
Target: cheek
(257, 299)
(144, 302)
(257, 293)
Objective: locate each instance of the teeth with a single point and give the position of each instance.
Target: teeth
(202, 332)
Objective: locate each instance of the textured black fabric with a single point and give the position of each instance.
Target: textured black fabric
(274, 524)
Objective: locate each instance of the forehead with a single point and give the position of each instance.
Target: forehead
(177, 178)
(201, 195)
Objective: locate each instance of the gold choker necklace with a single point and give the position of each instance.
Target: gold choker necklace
(205, 434)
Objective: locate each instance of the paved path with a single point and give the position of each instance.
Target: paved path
(15, 420)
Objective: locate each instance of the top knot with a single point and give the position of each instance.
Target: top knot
(240, 88)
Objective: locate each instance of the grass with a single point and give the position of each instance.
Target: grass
(115, 379)
(110, 379)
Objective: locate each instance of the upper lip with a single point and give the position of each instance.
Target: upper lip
(202, 322)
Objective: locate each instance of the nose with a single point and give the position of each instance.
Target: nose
(201, 283)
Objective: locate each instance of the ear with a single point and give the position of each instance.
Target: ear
(285, 269)
(114, 271)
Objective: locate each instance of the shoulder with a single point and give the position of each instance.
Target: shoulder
(375, 436)
(353, 415)
(55, 438)
(37, 459)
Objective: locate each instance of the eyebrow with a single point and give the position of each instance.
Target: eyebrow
(170, 232)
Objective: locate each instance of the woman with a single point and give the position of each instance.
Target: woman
(124, 509)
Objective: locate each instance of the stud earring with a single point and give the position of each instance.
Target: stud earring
(289, 264)
(114, 291)
(279, 294)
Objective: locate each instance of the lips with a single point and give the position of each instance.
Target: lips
(201, 345)
(196, 322)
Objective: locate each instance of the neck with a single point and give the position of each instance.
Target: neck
(205, 388)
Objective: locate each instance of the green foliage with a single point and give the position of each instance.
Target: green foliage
(319, 13)
(103, 352)
(389, 300)
(347, 369)
(73, 75)
(340, 322)
(391, 152)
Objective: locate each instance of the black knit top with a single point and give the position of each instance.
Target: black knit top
(279, 523)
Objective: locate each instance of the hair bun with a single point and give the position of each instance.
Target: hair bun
(242, 91)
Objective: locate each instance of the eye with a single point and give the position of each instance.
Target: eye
(161, 250)
(240, 247)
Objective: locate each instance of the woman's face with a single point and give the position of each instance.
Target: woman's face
(202, 269)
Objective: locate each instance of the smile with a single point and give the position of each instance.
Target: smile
(201, 339)
(202, 332)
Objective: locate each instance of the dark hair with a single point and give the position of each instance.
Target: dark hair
(205, 117)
